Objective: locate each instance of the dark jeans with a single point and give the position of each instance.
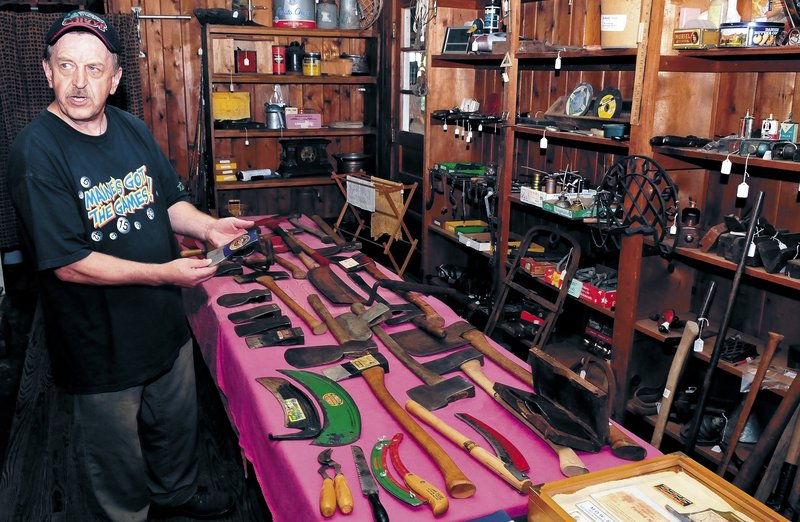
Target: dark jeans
(140, 444)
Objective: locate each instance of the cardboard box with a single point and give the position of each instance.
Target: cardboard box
(451, 226)
(695, 38)
(589, 209)
(788, 132)
(230, 105)
(482, 242)
(584, 291)
(534, 267)
(619, 23)
(304, 121)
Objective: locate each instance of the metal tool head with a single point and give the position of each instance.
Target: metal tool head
(309, 356)
(354, 368)
(434, 397)
(420, 343)
(453, 362)
(252, 277)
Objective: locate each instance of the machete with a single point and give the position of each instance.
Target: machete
(341, 423)
(298, 412)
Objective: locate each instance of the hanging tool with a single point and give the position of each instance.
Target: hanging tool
(368, 486)
(335, 492)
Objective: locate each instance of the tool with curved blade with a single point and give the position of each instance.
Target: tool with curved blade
(298, 411)
(502, 447)
(384, 477)
(431, 494)
(341, 422)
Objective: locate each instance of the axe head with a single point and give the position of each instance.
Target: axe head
(453, 362)
(356, 366)
(439, 395)
(252, 277)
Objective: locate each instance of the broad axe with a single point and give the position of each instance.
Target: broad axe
(437, 392)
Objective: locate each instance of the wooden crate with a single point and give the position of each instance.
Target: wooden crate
(542, 506)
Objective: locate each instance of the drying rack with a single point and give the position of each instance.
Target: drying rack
(383, 192)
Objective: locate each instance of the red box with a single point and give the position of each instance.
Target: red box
(304, 121)
(585, 291)
(535, 268)
(245, 61)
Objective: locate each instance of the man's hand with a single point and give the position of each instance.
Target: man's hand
(222, 231)
(189, 272)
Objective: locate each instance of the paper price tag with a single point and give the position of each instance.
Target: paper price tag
(698, 345)
(742, 190)
(575, 288)
(558, 63)
(751, 251)
(543, 143)
(726, 166)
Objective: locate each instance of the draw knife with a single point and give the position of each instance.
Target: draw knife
(381, 471)
(513, 459)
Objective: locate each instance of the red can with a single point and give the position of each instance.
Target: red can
(278, 59)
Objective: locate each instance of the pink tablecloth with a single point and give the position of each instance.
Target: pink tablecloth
(287, 470)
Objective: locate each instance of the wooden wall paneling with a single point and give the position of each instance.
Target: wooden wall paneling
(775, 93)
(736, 96)
(695, 116)
(591, 34)
(579, 23)
(175, 82)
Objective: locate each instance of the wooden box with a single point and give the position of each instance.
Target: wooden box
(621, 480)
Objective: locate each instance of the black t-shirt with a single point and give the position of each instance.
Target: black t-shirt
(76, 194)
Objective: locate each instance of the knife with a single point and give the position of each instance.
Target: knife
(368, 485)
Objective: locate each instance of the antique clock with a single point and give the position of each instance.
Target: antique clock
(307, 157)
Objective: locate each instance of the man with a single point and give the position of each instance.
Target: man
(100, 205)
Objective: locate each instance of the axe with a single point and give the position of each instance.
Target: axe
(294, 219)
(369, 367)
(317, 326)
(437, 391)
(470, 361)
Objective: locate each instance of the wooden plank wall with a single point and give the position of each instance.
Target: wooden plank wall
(170, 72)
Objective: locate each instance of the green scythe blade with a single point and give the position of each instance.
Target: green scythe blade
(341, 424)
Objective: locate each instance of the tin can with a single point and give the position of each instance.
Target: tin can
(278, 59)
(297, 14)
(311, 64)
(769, 128)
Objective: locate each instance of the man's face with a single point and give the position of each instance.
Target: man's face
(82, 74)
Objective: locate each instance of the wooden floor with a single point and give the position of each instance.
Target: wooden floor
(40, 480)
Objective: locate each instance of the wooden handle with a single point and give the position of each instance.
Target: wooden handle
(192, 252)
(429, 377)
(333, 325)
(327, 499)
(316, 256)
(690, 331)
(317, 326)
(623, 446)
(307, 262)
(479, 341)
(297, 272)
(477, 452)
(749, 400)
(474, 371)
(337, 239)
(344, 498)
(428, 492)
(458, 485)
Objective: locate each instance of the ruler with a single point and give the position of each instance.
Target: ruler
(641, 61)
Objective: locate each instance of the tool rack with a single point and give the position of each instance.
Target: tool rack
(384, 192)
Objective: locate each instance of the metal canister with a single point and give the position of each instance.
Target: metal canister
(312, 64)
(746, 126)
(297, 14)
(769, 128)
(327, 14)
(294, 58)
(278, 59)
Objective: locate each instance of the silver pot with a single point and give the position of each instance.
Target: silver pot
(360, 64)
(275, 116)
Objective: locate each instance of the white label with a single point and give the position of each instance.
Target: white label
(698, 345)
(666, 393)
(575, 287)
(558, 63)
(543, 143)
(673, 230)
(613, 22)
(726, 166)
(348, 263)
(506, 79)
(752, 250)
(742, 190)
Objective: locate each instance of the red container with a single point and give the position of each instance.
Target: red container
(278, 59)
(245, 61)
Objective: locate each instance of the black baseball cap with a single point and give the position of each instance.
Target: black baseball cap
(87, 22)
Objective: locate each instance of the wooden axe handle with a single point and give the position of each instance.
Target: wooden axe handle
(191, 252)
(568, 461)
(768, 439)
(337, 239)
(458, 485)
(317, 326)
(682, 353)
(479, 341)
(623, 446)
(475, 451)
(307, 261)
(297, 272)
(749, 400)
(333, 325)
